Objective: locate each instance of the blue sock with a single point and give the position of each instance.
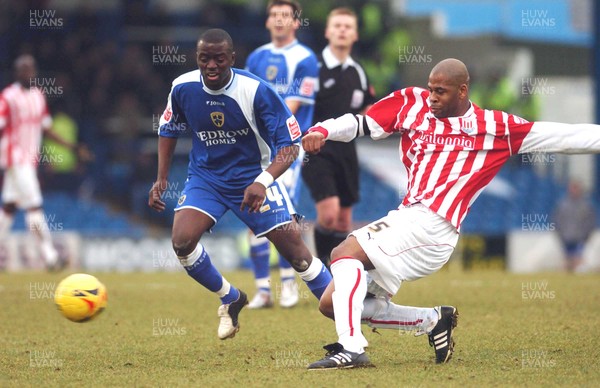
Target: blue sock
(260, 251)
(200, 268)
(317, 277)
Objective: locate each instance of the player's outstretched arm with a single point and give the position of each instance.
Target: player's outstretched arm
(83, 152)
(557, 137)
(313, 141)
(166, 147)
(255, 194)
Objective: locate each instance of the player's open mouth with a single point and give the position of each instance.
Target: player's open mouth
(212, 76)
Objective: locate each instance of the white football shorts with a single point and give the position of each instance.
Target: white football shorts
(409, 243)
(21, 187)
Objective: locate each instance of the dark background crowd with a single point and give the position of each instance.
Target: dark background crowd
(114, 65)
(113, 62)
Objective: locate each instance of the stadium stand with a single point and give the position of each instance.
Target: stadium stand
(115, 91)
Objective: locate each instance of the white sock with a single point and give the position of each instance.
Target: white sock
(6, 222)
(383, 314)
(224, 289)
(350, 290)
(286, 273)
(263, 284)
(189, 260)
(313, 270)
(38, 226)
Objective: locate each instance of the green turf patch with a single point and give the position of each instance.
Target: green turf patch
(160, 330)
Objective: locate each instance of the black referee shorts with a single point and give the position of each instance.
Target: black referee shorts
(333, 172)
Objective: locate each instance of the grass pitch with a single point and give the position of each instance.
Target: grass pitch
(160, 330)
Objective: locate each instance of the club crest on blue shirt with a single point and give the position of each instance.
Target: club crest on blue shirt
(218, 119)
(271, 72)
(181, 200)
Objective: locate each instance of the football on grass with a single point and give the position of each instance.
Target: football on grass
(80, 297)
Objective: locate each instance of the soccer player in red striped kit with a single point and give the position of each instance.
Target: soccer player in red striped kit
(451, 149)
(24, 119)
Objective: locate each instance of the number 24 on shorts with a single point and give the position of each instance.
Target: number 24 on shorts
(274, 196)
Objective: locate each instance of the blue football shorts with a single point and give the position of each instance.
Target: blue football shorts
(292, 180)
(200, 195)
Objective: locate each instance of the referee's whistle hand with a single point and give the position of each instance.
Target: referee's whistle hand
(312, 142)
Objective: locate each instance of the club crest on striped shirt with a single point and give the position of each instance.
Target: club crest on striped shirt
(468, 126)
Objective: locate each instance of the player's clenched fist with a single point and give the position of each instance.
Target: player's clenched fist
(156, 192)
(313, 141)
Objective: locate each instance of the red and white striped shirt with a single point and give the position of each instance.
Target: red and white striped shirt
(449, 161)
(23, 116)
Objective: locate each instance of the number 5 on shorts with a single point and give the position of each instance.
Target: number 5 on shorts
(376, 227)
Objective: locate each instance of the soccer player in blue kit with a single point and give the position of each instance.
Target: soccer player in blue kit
(292, 70)
(243, 138)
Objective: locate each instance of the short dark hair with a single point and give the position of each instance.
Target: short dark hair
(296, 8)
(216, 35)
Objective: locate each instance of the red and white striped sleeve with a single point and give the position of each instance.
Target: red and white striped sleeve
(385, 117)
(397, 112)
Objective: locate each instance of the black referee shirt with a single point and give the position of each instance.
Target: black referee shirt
(343, 87)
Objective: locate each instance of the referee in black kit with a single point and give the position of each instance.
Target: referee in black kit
(332, 175)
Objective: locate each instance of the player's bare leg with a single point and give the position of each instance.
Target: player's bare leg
(188, 227)
(7, 218)
(39, 227)
(288, 241)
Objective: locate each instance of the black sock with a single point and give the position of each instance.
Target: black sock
(325, 241)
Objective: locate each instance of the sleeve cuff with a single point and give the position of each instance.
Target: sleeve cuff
(320, 130)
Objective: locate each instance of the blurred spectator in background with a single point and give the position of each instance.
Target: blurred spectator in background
(575, 221)
(62, 170)
(24, 119)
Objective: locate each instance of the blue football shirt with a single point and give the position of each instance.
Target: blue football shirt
(236, 131)
(292, 71)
